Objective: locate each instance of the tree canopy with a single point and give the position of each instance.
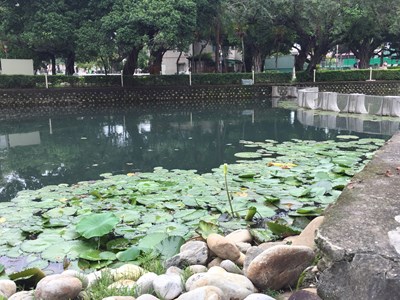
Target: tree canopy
(114, 32)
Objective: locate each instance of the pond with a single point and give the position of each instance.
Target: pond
(39, 149)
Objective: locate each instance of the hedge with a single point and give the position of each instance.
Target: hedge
(38, 81)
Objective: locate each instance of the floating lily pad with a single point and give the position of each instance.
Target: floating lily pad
(249, 155)
(96, 224)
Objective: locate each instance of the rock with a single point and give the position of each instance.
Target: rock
(123, 284)
(145, 283)
(223, 247)
(168, 286)
(215, 262)
(279, 266)
(258, 297)
(94, 276)
(174, 270)
(304, 295)
(233, 286)
(119, 298)
(7, 287)
(191, 253)
(240, 236)
(81, 276)
(24, 295)
(197, 269)
(128, 271)
(58, 287)
(243, 247)
(306, 237)
(254, 251)
(203, 293)
(230, 267)
(241, 259)
(147, 297)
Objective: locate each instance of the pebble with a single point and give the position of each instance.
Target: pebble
(168, 286)
(7, 287)
(191, 253)
(24, 295)
(203, 293)
(145, 283)
(307, 236)
(119, 298)
(230, 267)
(222, 247)
(258, 297)
(147, 297)
(240, 236)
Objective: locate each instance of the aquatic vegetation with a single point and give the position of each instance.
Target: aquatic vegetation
(122, 217)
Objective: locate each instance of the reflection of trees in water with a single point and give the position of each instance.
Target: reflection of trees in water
(81, 148)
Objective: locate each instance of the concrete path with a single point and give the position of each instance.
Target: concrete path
(360, 237)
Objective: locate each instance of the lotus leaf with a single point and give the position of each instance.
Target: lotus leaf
(129, 254)
(206, 228)
(282, 230)
(96, 255)
(169, 246)
(96, 225)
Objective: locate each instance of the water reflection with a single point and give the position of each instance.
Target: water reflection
(42, 149)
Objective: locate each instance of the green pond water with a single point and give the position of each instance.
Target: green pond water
(41, 148)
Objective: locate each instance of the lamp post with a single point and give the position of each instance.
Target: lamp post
(6, 50)
(294, 52)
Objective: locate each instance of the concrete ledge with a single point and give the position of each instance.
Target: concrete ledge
(361, 260)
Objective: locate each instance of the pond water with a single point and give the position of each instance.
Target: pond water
(39, 149)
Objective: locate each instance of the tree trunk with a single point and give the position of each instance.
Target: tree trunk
(243, 52)
(363, 52)
(177, 63)
(156, 61)
(131, 62)
(53, 65)
(70, 64)
(217, 49)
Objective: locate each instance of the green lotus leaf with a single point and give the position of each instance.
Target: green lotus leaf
(96, 255)
(249, 155)
(129, 254)
(262, 235)
(169, 246)
(40, 244)
(150, 240)
(206, 228)
(118, 244)
(96, 225)
(282, 230)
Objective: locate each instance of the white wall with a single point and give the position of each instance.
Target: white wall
(17, 66)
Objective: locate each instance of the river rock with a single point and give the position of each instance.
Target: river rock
(23, 295)
(81, 276)
(254, 251)
(191, 253)
(223, 247)
(215, 262)
(174, 270)
(243, 247)
(233, 286)
(145, 283)
(306, 237)
(279, 266)
(240, 236)
(147, 297)
(203, 293)
(119, 298)
(58, 287)
(168, 286)
(197, 269)
(94, 276)
(128, 271)
(258, 296)
(230, 267)
(7, 287)
(123, 284)
(304, 295)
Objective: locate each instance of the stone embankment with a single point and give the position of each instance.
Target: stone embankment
(360, 237)
(222, 267)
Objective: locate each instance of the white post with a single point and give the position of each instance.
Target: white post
(46, 81)
(50, 127)
(253, 76)
(294, 73)
(190, 78)
(122, 79)
(315, 71)
(370, 73)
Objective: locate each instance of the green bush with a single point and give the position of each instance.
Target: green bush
(38, 81)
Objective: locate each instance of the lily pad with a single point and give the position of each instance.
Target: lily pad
(248, 155)
(96, 224)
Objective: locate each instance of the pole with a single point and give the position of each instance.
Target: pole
(253, 75)
(46, 81)
(294, 73)
(370, 73)
(50, 127)
(315, 71)
(122, 79)
(190, 78)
